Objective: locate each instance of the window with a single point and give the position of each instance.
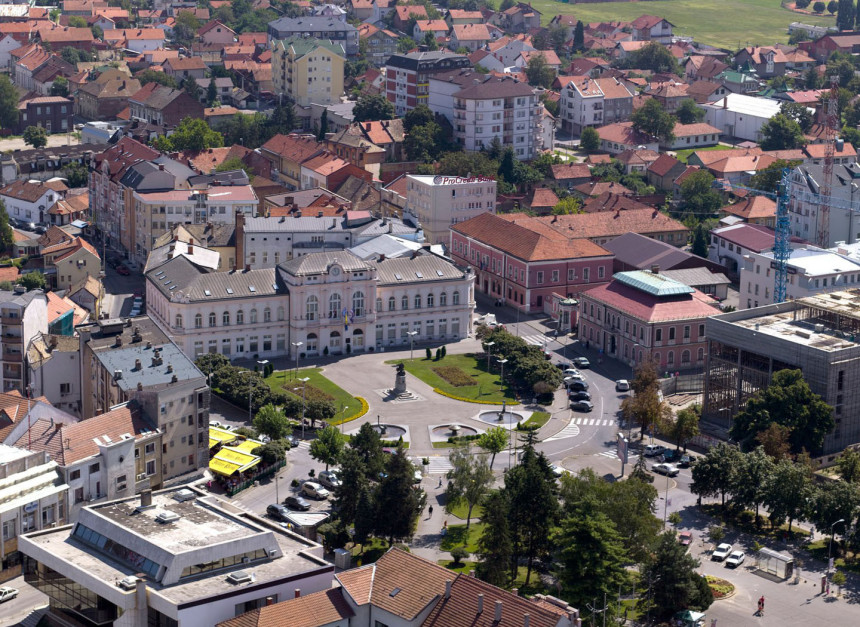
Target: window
(65, 388)
(555, 276)
(225, 319)
(600, 272)
(417, 301)
(358, 303)
(178, 321)
(94, 468)
(404, 302)
(198, 321)
(74, 475)
(149, 449)
(79, 495)
(540, 278)
(280, 314)
(267, 315)
(586, 274)
(391, 303)
(240, 317)
(658, 337)
(685, 357)
(212, 320)
(150, 467)
(430, 300)
(9, 530)
(253, 319)
(670, 357)
(671, 333)
(455, 298)
(443, 299)
(686, 331)
(701, 331)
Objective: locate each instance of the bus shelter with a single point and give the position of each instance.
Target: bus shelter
(779, 565)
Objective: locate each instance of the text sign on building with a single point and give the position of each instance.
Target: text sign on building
(459, 180)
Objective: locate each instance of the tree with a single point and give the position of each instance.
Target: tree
(652, 119)
(798, 112)
(578, 36)
(818, 7)
(494, 441)
(190, 87)
(832, 7)
(768, 179)
(319, 409)
(77, 174)
(468, 480)
(506, 4)
(464, 163)
(567, 206)
(675, 584)
(774, 440)
(589, 140)
(7, 237)
(788, 491)
(60, 87)
(654, 57)
(714, 474)
(688, 112)
(539, 74)
(700, 241)
(76, 55)
(211, 92)
(419, 116)
(373, 107)
(328, 446)
(832, 501)
(645, 407)
(396, 499)
(430, 41)
(323, 125)
(683, 428)
(194, 135)
(698, 194)
(36, 136)
(751, 479)
(185, 29)
(76, 21)
(232, 164)
(781, 133)
(33, 280)
(271, 452)
(97, 31)
(368, 446)
(405, 44)
(494, 546)
(272, 422)
(787, 401)
(353, 479)
(848, 464)
(422, 143)
(8, 103)
(365, 515)
(591, 558)
(151, 76)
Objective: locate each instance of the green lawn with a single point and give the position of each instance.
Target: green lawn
(462, 509)
(819, 549)
(456, 536)
(285, 380)
(729, 24)
(537, 419)
(683, 155)
(486, 388)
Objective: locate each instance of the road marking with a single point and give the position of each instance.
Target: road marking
(305, 444)
(439, 465)
(570, 431)
(613, 454)
(535, 340)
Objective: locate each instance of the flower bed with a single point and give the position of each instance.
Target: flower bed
(361, 411)
(454, 375)
(721, 588)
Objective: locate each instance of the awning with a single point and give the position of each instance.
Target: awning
(247, 446)
(222, 435)
(213, 442)
(229, 461)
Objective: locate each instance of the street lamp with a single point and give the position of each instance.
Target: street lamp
(304, 381)
(502, 381)
(830, 549)
(298, 345)
(411, 335)
(489, 353)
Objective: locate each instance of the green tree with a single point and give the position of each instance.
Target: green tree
(76, 55)
(700, 242)
(567, 206)
(652, 119)
(405, 44)
(211, 93)
(654, 57)
(7, 237)
(185, 29)
(272, 422)
(715, 473)
(422, 143)
(271, 452)
(832, 7)
(396, 499)
(353, 479)
(819, 7)
(194, 135)
(430, 41)
(151, 76)
(36, 136)
(589, 140)
(506, 4)
(97, 31)
(76, 21)
(591, 558)
(789, 402)
(494, 546)
(190, 87)
(768, 179)
(364, 519)
(419, 116)
(328, 446)
(644, 407)
(698, 194)
(60, 87)
(8, 103)
(683, 428)
(368, 445)
(323, 126)
(235, 163)
(34, 280)
(494, 441)
(578, 36)
(468, 480)
(788, 491)
(77, 174)
(373, 107)
(689, 112)
(832, 501)
(751, 480)
(781, 133)
(319, 409)
(539, 74)
(675, 584)
(798, 112)
(848, 463)
(463, 163)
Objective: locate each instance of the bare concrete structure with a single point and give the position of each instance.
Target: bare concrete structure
(819, 335)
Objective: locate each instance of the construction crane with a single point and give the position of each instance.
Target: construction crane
(831, 129)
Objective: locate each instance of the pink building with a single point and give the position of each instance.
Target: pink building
(640, 314)
(524, 262)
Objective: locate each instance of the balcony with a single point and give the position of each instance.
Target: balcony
(459, 107)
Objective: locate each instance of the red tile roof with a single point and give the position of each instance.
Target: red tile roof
(623, 133)
(612, 202)
(752, 208)
(663, 165)
(320, 608)
(700, 128)
(543, 197)
(650, 308)
(570, 171)
(599, 224)
(293, 147)
(597, 188)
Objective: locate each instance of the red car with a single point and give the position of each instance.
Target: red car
(122, 270)
(685, 538)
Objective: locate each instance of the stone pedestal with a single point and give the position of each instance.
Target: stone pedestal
(400, 383)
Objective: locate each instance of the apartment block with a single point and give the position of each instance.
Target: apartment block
(407, 76)
(308, 70)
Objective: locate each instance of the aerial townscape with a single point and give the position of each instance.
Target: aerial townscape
(416, 313)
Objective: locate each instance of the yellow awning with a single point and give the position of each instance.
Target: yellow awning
(247, 446)
(213, 442)
(222, 435)
(238, 460)
(222, 467)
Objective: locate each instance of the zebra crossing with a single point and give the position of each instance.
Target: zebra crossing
(570, 431)
(535, 340)
(304, 444)
(439, 465)
(613, 454)
(593, 422)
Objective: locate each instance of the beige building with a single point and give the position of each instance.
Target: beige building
(308, 70)
(70, 262)
(440, 201)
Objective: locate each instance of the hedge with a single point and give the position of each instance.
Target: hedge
(361, 411)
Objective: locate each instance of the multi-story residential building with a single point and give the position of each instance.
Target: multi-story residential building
(381, 43)
(805, 202)
(52, 113)
(601, 228)
(642, 315)
(498, 108)
(407, 76)
(163, 106)
(308, 70)
(23, 316)
(156, 213)
(437, 202)
(219, 239)
(106, 96)
(33, 497)
(181, 68)
(731, 244)
(652, 28)
(286, 153)
(817, 334)
(752, 210)
(125, 360)
(810, 271)
(69, 262)
(175, 557)
(29, 201)
(54, 363)
(525, 264)
(329, 171)
(324, 28)
(581, 104)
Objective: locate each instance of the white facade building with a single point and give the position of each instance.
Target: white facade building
(28, 202)
(805, 202)
(581, 105)
(440, 201)
(741, 116)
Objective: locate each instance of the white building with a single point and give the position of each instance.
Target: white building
(23, 316)
(54, 371)
(28, 202)
(437, 202)
(731, 244)
(175, 557)
(810, 271)
(581, 105)
(805, 202)
(741, 116)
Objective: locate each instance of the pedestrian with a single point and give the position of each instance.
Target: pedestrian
(440, 483)
(761, 606)
(431, 510)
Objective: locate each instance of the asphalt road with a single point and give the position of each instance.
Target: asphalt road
(28, 599)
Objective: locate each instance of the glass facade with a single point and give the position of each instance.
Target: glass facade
(68, 598)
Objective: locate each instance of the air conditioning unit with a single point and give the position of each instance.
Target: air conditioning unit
(141, 476)
(240, 576)
(127, 583)
(167, 517)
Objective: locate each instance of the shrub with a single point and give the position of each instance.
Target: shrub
(444, 352)
(325, 350)
(294, 483)
(454, 375)
(438, 354)
(458, 554)
(429, 353)
(311, 472)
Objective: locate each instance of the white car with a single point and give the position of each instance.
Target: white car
(735, 559)
(315, 490)
(7, 593)
(622, 385)
(665, 469)
(653, 450)
(570, 372)
(721, 552)
(558, 471)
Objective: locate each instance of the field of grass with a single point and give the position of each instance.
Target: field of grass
(462, 509)
(456, 536)
(683, 155)
(728, 24)
(318, 386)
(485, 388)
(537, 419)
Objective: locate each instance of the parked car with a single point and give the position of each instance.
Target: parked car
(293, 440)
(297, 502)
(685, 538)
(329, 479)
(653, 450)
(7, 593)
(547, 355)
(686, 461)
(576, 385)
(277, 511)
(581, 395)
(670, 455)
(557, 470)
(574, 377)
(121, 269)
(41, 230)
(571, 372)
(315, 490)
(582, 405)
(665, 469)
(721, 552)
(735, 559)
(622, 385)
(564, 365)
(581, 362)
(215, 423)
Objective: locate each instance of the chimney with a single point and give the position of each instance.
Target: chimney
(525, 620)
(655, 269)
(174, 379)
(240, 239)
(57, 427)
(319, 214)
(448, 589)
(137, 364)
(169, 368)
(515, 591)
(118, 341)
(190, 249)
(161, 167)
(480, 603)
(270, 601)
(139, 386)
(298, 592)
(146, 498)
(498, 611)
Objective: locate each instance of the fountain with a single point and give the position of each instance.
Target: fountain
(441, 433)
(504, 418)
